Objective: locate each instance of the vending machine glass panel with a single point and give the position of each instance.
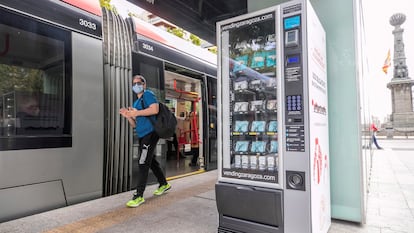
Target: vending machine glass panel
(249, 71)
(274, 140)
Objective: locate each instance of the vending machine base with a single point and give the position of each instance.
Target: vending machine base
(249, 209)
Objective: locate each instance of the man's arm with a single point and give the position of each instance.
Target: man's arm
(153, 109)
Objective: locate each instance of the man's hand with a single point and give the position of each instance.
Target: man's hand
(132, 112)
(129, 112)
(124, 112)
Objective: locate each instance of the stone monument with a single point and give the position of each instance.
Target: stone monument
(402, 117)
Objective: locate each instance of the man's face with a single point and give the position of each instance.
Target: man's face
(138, 81)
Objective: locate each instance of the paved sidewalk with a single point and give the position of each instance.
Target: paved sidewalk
(190, 206)
(390, 206)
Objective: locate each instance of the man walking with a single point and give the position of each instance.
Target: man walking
(138, 116)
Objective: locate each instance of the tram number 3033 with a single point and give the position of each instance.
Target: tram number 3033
(87, 24)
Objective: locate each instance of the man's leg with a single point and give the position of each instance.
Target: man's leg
(170, 152)
(145, 158)
(156, 169)
(175, 142)
(147, 145)
(194, 159)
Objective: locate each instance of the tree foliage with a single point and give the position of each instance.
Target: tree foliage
(107, 5)
(180, 33)
(195, 39)
(213, 49)
(15, 78)
(176, 31)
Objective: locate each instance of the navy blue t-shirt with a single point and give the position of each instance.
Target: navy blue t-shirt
(143, 123)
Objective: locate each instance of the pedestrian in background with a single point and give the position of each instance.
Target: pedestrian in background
(374, 130)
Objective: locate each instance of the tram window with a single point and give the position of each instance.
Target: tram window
(34, 84)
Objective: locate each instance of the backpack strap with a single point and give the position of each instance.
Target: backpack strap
(143, 107)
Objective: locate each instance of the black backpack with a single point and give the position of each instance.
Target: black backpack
(165, 122)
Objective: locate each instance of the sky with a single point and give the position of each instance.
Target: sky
(379, 39)
(124, 7)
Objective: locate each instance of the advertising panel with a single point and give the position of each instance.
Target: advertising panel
(318, 122)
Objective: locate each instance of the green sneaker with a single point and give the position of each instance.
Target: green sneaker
(162, 189)
(135, 202)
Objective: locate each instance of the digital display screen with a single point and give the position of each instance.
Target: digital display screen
(293, 59)
(291, 36)
(292, 22)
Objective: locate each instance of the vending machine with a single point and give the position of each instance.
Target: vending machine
(273, 122)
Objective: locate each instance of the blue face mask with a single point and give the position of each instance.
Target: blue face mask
(138, 88)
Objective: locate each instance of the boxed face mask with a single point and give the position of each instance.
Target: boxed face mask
(272, 126)
(256, 84)
(241, 146)
(271, 105)
(241, 85)
(241, 126)
(258, 126)
(258, 147)
(273, 146)
(241, 106)
(256, 105)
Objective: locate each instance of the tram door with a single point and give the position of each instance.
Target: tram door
(182, 91)
(193, 99)
(185, 151)
(211, 123)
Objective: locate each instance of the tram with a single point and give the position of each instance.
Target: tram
(66, 68)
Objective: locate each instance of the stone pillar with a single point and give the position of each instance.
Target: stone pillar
(402, 117)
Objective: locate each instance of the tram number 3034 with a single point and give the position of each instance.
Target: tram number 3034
(147, 47)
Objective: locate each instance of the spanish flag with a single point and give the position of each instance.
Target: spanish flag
(387, 62)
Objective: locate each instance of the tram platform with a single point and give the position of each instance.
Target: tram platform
(190, 205)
